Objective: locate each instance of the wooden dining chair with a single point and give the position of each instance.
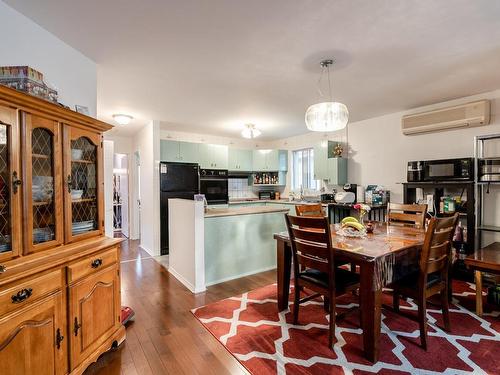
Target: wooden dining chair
(432, 276)
(310, 239)
(407, 214)
(311, 210)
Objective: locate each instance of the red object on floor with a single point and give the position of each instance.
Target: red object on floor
(127, 314)
(267, 342)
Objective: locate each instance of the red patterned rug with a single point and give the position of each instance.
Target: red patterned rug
(266, 342)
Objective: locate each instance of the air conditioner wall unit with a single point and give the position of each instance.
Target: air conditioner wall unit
(460, 116)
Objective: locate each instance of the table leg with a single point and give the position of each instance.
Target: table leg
(370, 299)
(479, 293)
(284, 266)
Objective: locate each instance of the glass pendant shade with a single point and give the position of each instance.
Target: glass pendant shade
(327, 117)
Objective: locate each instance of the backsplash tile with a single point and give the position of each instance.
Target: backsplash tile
(239, 188)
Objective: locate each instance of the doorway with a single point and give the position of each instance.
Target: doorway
(121, 222)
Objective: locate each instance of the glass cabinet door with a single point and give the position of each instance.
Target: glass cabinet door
(10, 180)
(83, 188)
(42, 187)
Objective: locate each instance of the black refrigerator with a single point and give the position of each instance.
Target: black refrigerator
(177, 180)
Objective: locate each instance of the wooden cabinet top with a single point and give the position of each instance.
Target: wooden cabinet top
(32, 104)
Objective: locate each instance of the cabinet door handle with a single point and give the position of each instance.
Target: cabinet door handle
(22, 295)
(68, 181)
(16, 182)
(96, 263)
(76, 326)
(59, 338)
(3, 268)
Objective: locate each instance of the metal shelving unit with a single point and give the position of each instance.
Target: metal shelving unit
(482, 187)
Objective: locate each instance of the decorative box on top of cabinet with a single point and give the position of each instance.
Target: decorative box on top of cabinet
(59, 276)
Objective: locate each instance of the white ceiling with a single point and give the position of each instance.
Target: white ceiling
(210, 66)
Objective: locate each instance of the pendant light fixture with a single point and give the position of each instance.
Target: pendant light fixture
(250, 131)
(326, 116)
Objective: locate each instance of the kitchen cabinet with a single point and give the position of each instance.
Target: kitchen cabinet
(331, 170)
(51, 219)
(10, 180)
(270, 160)
(83, 184)
(94, 312)
(180, 152)
(213, 156)
(33, 339)
(240, 160)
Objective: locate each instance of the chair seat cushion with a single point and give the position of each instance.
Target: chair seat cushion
(343, 278)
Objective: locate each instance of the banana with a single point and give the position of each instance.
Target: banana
(349, 219)
(355, 225)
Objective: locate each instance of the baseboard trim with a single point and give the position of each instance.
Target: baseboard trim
(185, 282)
(229, 278)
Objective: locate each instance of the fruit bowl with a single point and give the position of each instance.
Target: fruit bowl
(351, 232)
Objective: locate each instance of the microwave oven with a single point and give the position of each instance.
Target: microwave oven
(460, 169)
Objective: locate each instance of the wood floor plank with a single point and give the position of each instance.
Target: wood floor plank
(165, 337)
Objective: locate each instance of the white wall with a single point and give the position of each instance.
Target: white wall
(26, 43)
(147, 143)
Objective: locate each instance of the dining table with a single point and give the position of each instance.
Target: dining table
(383, 257)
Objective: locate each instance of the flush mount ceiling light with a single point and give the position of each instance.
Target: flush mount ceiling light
(122, 119)
(326, 116)
(250, 131)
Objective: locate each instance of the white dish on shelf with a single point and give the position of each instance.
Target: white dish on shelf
(76, 154)
(76, 194)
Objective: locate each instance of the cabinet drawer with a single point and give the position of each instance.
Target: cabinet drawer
(20, 293)
(92, 264)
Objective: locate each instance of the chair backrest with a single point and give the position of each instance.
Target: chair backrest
(437, 247)
(310, 210)
(310, 238)
(410, 214)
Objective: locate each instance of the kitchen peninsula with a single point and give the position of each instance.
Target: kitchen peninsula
(221, 244)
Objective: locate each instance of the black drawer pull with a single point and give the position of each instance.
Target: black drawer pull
(22, 295)
(3, 268)
(59, 338)
(96, 263)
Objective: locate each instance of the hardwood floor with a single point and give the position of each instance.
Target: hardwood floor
(165, 338)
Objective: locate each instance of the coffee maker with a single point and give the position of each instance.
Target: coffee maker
(353, 188)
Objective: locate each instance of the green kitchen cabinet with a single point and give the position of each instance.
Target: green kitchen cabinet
(213, 156)
(169, 150)
(188, 152)
(331, 170)
(240, 160)
(270, 160)
(181, 152)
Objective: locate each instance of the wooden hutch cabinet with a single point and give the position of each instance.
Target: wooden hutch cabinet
(59, 275)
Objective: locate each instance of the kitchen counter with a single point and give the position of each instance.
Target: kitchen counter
(252, 210)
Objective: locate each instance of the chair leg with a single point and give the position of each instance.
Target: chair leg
(331, 333)
(446, 309)
(326, 303)
(296, 306)
(422, 319)
(395, 300)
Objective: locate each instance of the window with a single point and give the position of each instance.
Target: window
(303, 169)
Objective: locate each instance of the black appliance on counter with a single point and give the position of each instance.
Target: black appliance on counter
(214, 184)
(460, 169)
(353, 188)
(327, 198)
(177, 180)
(267, 195)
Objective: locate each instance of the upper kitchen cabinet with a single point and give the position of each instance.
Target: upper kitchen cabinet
(332, 170)
(42, 182)
(240, 160)
(83, 183)
(10, 180)
(270, 160)
(175, 151)
(213, 156)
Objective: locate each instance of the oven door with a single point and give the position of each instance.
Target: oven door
(215, 190)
